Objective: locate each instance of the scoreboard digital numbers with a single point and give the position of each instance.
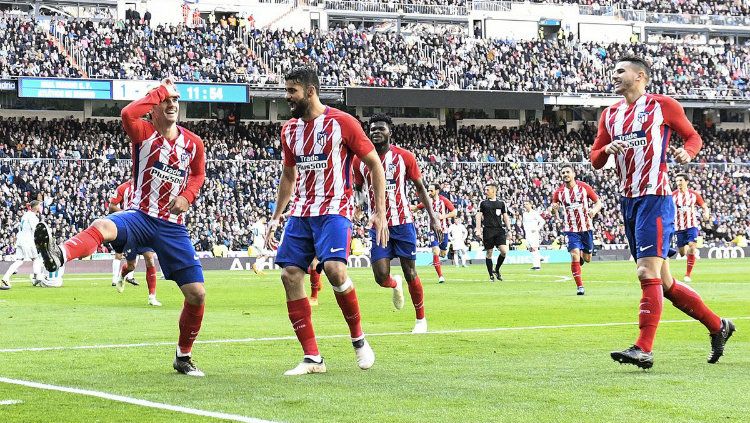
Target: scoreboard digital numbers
(214, 93)
(80, 89)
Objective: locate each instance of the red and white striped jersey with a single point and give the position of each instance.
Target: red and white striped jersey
(441, 206)
(162, 169)
(322, 150)
(685, 202)
(123, 194)
(399, 165)
(646, 126)
(576, 203)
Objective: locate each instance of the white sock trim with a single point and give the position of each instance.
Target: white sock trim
(316, 358)
(344, 286)
(182, 354)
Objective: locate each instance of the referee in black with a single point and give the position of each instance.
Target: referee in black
(492, 227)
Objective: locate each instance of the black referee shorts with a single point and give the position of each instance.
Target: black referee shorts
(492, 238)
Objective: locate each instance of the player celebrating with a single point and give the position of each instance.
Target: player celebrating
(686, 221)
(636, 131)
(25, 249)
(121, 201)
(169, 170)
(400, 165)
(575, 198)
(492, 224)
(444, 210)
(320, 142)
(532, 225)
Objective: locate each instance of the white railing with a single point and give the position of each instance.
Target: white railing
(396, 7)
(682, 18)
(491, 6)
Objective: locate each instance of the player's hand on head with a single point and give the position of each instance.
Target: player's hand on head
(680, 155)
(169, 84)
(178, 205)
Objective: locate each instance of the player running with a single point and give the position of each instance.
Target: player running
(25, 249)
(575, 198)
(318, 146)
(169, 170)
(636, 131)
(686, 220)
(532, 223)
(400, 165)
(444, 210)
(121, 201)
(492, 225)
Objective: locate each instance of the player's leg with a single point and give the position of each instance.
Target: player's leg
(12, 269)
(83, 244)
(332, 237)
(435, 245)
(416, 292)
(575, 245)
(380, 257)
(116, 268)
(127, 269)
(462, 256)
(178, 263)
(315, 284)
(150, 257)
(588, 246)
(488, 250)
(692, 249)
(502, 248)
(37, 275)
(295, 253)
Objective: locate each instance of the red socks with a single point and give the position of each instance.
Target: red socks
(650, 313)
(300, 314)
(690, 264)
(575, 268)
(417, 297)
(84, 244)
(350, 308)
(689, 302)
(390, 283)
(436, 263)
(314, 282)
(190, 324)
(151, 279)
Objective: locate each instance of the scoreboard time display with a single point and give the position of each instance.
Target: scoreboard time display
(214, 93)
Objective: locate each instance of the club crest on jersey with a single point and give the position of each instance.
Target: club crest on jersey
(390, 171)
(320, 138)
(185, 159)
(642, 117)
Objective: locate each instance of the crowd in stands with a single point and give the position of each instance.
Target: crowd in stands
(243, 171)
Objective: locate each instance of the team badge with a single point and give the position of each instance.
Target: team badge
(320, 139)
(185, 159)
(642, 117)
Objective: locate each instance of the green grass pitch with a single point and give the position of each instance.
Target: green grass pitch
(523, 350)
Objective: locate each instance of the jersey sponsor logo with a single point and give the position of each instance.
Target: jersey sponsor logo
(168, 173)
(390, 185)
(634, 139)
(312, 162)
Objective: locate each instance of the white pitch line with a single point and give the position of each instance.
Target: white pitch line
(134, 401)
(291, 338)
(10, 402)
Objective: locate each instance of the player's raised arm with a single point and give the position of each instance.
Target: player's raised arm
(132, 114)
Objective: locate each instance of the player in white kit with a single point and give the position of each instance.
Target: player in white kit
(532, 226)
(457, 233)
(25, 249)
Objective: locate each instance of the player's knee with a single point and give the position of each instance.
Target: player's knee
(107, 228)
(645, 272)
(149, 257)
(381, 277)
(194, 293)
(410, 274)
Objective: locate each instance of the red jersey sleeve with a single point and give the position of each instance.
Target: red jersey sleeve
(354, 137)
(447, 203)
(137, 128)
(412, 168)
(420, 206)
(287, 155)
(556, 196)
(118, 195)
(197, 171)
(603, 138)
(699, 199)
(359, 178)
(674, 117)
(590, 191)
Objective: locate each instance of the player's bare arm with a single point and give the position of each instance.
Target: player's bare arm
(286, 184)
(377, 177)
(478, 226)
(424, 197)
(706, 211)
(113, 208)
(596, 208)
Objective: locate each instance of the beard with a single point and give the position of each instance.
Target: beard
(300, 108)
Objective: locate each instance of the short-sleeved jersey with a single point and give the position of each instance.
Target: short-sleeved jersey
(646, 126)
(685, 202)
(492, 213)
(259, 232)
(122, 196)
(399, 165)
(163, 169)
(532, 222)
(29, 220)
(458, 234)
(576, 203)
(323, 150)
(441, 206)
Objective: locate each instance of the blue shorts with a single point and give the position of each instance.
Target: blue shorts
(434, 241)
(131, 255)
(328, 237)
(402, 243)
(649, 224)
(686, 236)
(583, 241)
(170, 241)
